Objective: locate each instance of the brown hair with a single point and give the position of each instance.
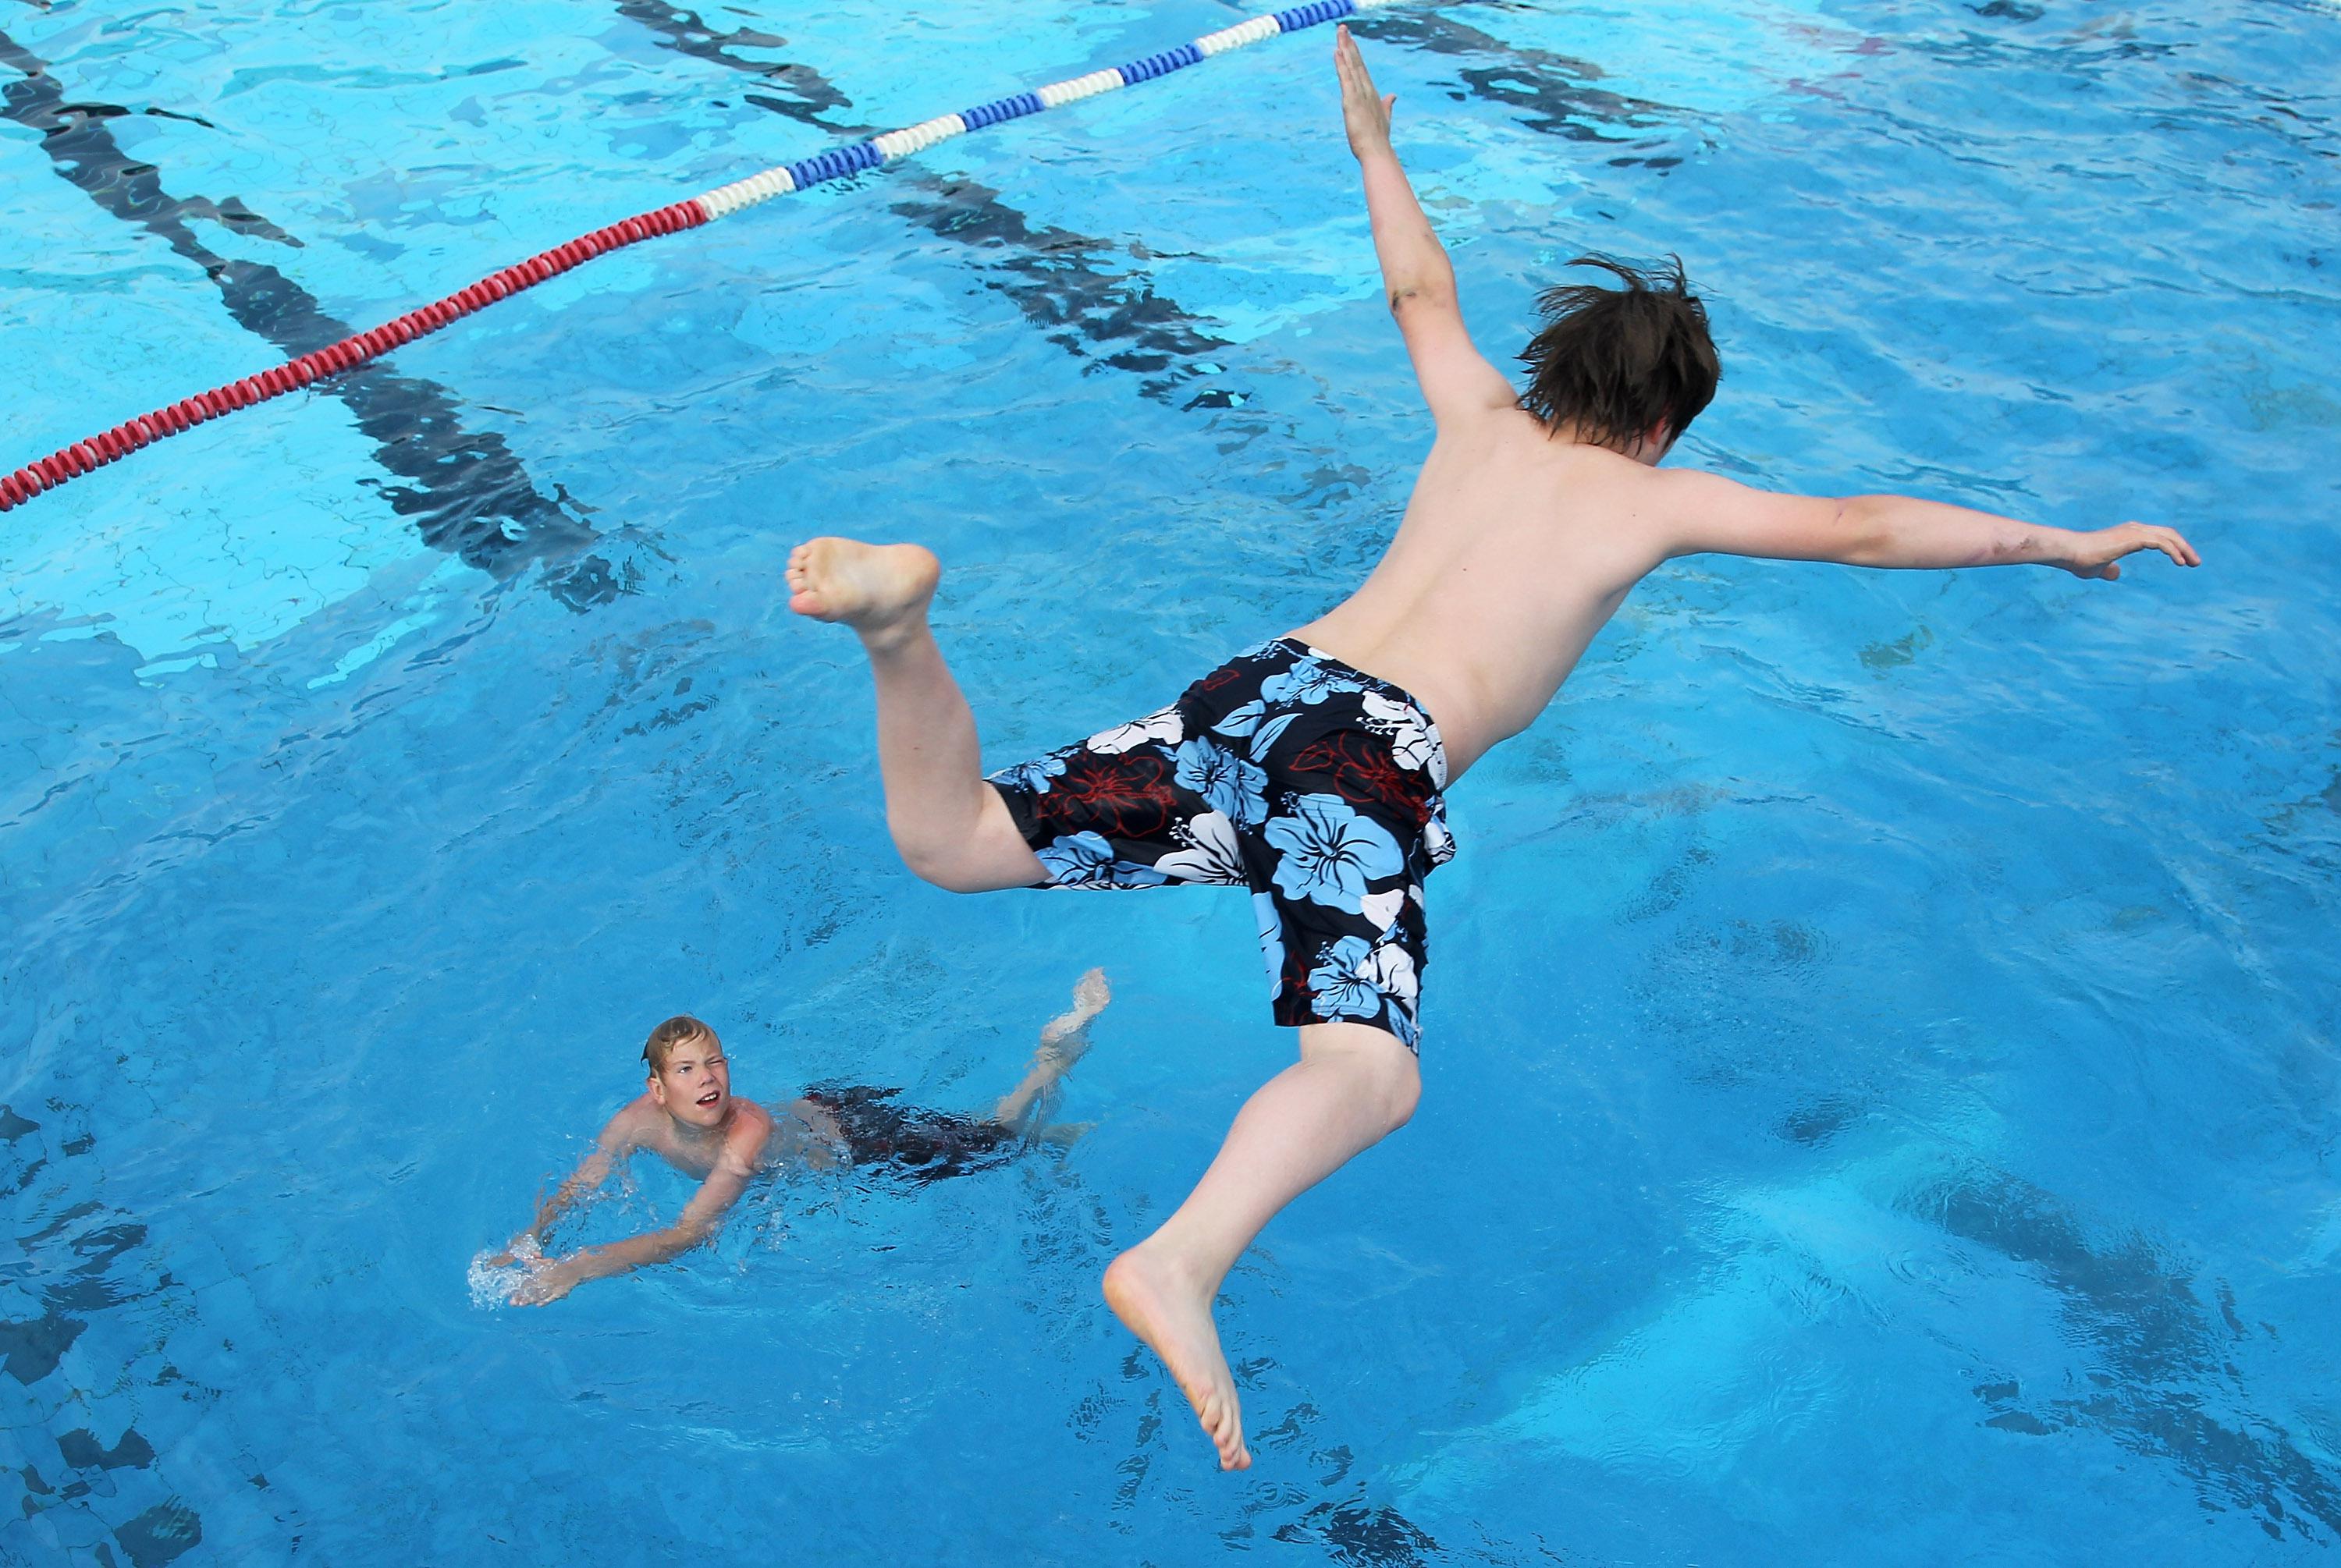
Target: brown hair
(1612, 364)
(675, 1031)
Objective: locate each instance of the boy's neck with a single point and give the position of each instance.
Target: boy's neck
(692, 1132)
(1646, 450)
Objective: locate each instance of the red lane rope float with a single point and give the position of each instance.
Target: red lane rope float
(95, 452)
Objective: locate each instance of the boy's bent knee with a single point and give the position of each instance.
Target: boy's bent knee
(950, 871)
(970, 864)
(1400, 1090)
(1404, 1094)
(932, 869)
(1387, 1074)
(979, 851)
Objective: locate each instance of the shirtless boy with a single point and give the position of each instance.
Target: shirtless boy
(1309, 770)
(686, 1115)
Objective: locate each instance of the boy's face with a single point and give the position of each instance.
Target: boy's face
(694, 1086)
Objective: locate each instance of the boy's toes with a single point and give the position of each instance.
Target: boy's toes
(1223, 1426)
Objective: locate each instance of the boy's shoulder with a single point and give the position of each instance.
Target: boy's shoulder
(751, 1124)
(632, 1120)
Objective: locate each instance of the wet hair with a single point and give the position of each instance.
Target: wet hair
(680, 1029)
(1611, 364)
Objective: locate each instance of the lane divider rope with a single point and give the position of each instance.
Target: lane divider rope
(70, 461)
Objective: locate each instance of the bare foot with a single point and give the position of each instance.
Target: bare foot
(1065, 1037)
(1091, 994)
(1175, 1321)
(871, 587)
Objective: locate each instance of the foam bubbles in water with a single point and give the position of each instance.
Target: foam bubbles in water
(493, 1284)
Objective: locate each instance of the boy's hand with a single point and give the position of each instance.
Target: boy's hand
(2095, 553)
(548, 1281)
(1365, 113)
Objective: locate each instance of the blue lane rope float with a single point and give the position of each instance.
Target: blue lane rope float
(78, 457)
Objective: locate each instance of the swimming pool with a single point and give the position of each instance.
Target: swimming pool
(1879, 1059)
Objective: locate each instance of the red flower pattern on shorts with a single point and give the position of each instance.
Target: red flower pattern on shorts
(1124, 795)
(1225, 675)
(1364, 773)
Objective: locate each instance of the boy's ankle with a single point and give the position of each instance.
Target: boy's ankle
(893, 636)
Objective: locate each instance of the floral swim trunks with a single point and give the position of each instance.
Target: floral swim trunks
(1285, 771)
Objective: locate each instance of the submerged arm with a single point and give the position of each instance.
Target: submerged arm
(699, 1222)
(615, 1144)
(1706, 512)
(1417, 279)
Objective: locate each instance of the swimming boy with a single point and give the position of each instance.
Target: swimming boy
(1309, 770)
(686, 1115)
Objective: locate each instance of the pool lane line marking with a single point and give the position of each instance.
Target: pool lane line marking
(465, 490)
(1054, 277)
(78, 457)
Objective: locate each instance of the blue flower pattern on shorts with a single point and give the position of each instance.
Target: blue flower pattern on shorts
(1230, 783)
(1340, 991)
(1272, 938)
(1314, 784)
(1331, 852)
(1250, 723)
(1308, 682)
(1086, 861)
(1033, 775)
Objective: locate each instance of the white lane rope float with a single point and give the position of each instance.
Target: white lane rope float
(80, 457)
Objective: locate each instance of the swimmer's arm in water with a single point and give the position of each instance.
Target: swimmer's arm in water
(617, 1141)
(1706, 512)
(701, 1218)
(1417, 277)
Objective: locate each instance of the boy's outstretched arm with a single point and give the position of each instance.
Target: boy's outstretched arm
(1705, 512)
(700, 1220)
(1417, 277)
(614, 1144)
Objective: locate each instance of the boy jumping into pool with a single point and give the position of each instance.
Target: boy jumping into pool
(687, 1116)
(1309, 770)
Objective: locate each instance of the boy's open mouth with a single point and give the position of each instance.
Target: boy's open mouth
(710, 1097)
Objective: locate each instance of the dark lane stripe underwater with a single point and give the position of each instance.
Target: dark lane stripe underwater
(1553, 92)
(467, 492)
(1057, 278)
(810, 94)
(2172, 1392)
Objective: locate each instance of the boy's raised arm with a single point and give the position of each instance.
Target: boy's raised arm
(1417, 277)
(1706, 512)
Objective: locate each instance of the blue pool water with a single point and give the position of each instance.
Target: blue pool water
(1880, 1071)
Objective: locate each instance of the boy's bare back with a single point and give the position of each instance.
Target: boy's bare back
(1514, 549)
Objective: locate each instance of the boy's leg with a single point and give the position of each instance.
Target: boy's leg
(951, 827)
(1062, 1042)
(1352, 1085)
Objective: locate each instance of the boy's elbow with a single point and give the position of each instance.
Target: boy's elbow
(683, 1236)
(1408, 299)
(1864, 535)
